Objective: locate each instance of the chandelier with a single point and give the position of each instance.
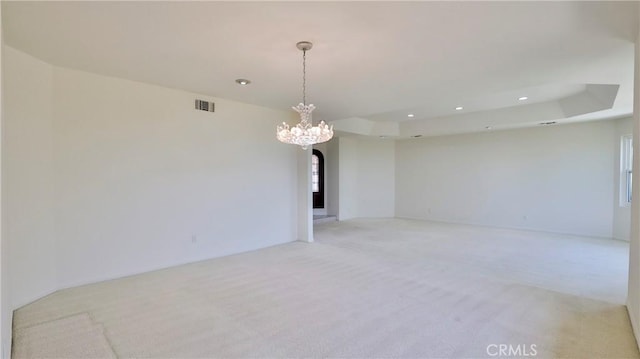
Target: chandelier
(304, 134)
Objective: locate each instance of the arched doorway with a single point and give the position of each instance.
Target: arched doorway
(317, 178)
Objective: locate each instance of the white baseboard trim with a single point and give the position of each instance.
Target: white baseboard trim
(633, 319)
(521, 228)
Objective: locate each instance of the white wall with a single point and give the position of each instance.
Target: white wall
(375, 178)
(348, 178)
(144, 181)
(332, 189)
(367, 178)
(557, 178)
(27, 176)
(621, 213)
(110, 177)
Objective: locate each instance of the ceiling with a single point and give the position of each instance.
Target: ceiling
(372, 63)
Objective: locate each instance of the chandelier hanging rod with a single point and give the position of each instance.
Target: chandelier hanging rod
(304, 46)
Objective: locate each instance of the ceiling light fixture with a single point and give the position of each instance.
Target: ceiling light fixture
(304, 133)
(523, 98)
(488, 128)
(411, 115)
(243, 82)
(458, 108)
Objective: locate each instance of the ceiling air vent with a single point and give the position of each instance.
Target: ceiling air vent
(205, 106)
(548, 123)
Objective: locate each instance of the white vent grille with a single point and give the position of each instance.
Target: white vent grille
(205, 106)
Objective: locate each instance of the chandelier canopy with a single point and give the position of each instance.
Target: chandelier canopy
(304, 133)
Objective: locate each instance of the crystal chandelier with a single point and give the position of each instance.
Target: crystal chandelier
(304, 134)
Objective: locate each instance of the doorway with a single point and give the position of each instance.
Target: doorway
(317, 178)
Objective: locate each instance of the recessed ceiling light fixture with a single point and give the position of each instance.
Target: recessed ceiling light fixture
(304, 133)
(411, 115)
(488, 128)
(523, 98)
(243, 82)
(458, 108)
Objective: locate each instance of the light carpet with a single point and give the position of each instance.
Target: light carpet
(365, 288)
(76, 336)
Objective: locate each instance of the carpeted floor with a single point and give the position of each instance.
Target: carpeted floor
(365, 288)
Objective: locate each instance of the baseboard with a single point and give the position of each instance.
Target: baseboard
(521, 228)
(130, 273)
(33, 298)
(633, 319)
(7, 338)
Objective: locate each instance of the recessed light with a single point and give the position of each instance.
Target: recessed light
(458, 108)
(523, 98)
(243, 82)
(411, 115)
(416, 136)
(383, 137)
(488, 128)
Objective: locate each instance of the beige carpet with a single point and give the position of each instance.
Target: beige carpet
(76, 336)
(365, 288)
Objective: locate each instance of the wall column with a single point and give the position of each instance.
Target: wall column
(633, 298)
(305, 197)
(6, 312)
